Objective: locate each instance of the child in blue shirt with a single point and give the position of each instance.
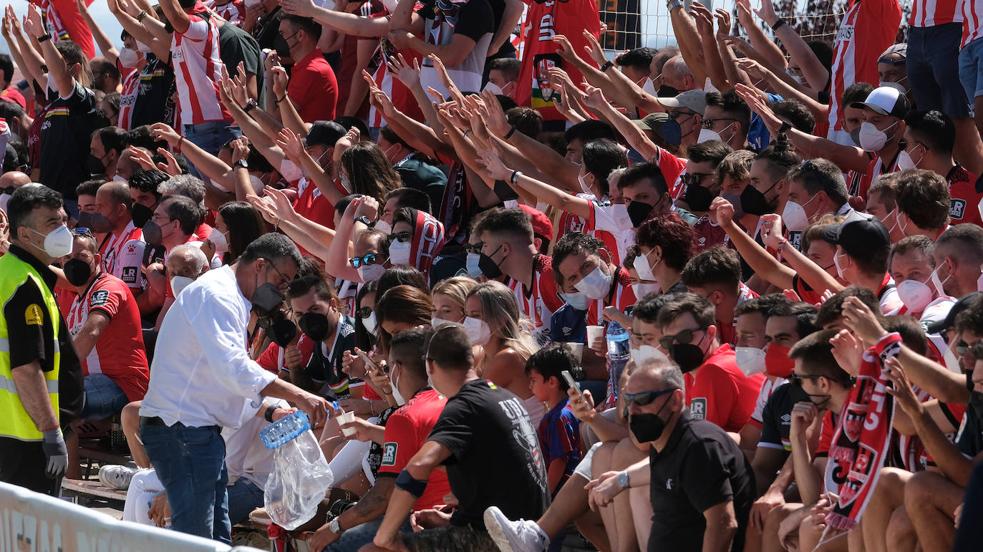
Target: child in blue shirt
(559, 430)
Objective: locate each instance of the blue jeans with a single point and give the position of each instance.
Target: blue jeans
(244, 497)
(360, 535)
(103, 398)
(190, 463)
(211, 136)
(932, 64)
(971, 69)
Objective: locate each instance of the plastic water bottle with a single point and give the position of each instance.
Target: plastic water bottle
(284, 430)
(619, 348)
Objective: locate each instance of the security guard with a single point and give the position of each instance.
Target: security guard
(32, 340)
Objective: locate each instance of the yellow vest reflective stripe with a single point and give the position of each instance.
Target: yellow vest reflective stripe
(14, 420)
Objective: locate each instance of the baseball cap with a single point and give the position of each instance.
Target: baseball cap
(13, 96)
(859, 236)
(652, 121)
(886, 100)
(693, 100)
(324, 133)
(959, 306)
(894, 50)
(542, 226)
(416, 174)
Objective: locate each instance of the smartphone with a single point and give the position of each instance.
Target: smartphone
(369, 365)
(570, 381)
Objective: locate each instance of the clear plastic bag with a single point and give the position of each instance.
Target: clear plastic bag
(298, 482)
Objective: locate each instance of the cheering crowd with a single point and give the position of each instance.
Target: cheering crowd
(722, 295)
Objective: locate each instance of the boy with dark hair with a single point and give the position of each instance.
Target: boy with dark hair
(559, 430)
(715, 275)
(726, 118)
(923, 203)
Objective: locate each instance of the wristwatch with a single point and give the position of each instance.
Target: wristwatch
(673, 4)
(623, 480)
(241, 164)
(364, 220)
(45, 37)
(250, 105)
(607, 65)
(335, 526)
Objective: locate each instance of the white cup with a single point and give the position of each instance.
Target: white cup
(346, 418)
(594, 333)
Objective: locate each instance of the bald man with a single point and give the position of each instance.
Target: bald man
(677, 75)
(122, 250)
(185, 263)
(9, 182)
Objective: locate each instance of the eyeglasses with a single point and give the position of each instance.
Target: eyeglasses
(708, 123)
(974, 351)
(364, 260)
(685, 336)
(364, 312)
(283, 277)
(474, 247)
(401, 236)
(693, 179)
(645, 397)
(796, 379)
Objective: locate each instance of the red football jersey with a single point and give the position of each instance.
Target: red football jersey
(719, 392)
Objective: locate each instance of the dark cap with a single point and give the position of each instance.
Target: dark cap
(324, 133)
(858, 237)
(416, 174)
(949, 321)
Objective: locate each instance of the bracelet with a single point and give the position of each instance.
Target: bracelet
(510, 133)
(140, 17)
(250, 105)
(268, 415)
(673, 4)
(45, 37)
(413, 486)
(515, 176)
(179, 142)
(778, 25)
(607, 65)
(278, 100)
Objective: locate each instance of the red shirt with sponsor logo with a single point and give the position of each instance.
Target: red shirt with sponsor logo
(719, 392)
(965, 193)
(122, 255)
(406, 431)
(119, 352)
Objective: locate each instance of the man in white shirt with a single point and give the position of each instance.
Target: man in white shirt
(202, 380)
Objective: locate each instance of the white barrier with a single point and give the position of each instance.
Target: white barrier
(32, 522)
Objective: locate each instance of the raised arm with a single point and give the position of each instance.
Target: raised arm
(347, 23)
(760, 261)
(688, 38)
(290, 143)
(57, 68)
(761, 43)
(146, 29)
(559, 199)
(339, 251)
(634, 135)
(175, 14)
(811, 273)
(105, 45)
(288, 112)
(510, 19)
(815, 74)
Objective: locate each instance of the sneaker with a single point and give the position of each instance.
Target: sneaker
(116, 477)
(514, 536)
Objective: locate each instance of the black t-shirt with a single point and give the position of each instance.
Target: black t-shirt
(495, 456)
(267, 32)
(236, 45)
(776, 416)
(970, 439)
(700, 467)
(325, 369)
(155, 94)
(65, 137)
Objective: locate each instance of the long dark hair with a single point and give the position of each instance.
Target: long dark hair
(244, 224)
(369, 171)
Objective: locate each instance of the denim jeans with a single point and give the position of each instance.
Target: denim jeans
(190, 463)
(971, 69)
(360, 535)
(211, 136)
(244, 497)
(932, 65)
(103, 398)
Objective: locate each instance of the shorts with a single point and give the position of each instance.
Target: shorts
(103, 398)
(933, 69)
(971, 69)
(583, 469)
(451, 537)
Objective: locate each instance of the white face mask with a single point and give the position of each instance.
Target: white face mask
(472, 266)
(905, 161)
(178, 283)
(370, 273)
(256, 182)
(143, 48)
(707, 135)
(493, 88)
(649, 87)
(397, 396)
(938, 282)
(436, 322)
(118, 178)
(399, 253)
(584, 185)
(129, 58)
(477, 330)
(751, 360)
(219, 240)
(871, 138)
(915, 295)
(595, 285)
(370, 324)
(645, 353)
(290, 171)
(383, 227)
(346, 183)
(576, 300)
(794, 216)
(839, 268)
(58, 242)
(643, 269)
(645, 289)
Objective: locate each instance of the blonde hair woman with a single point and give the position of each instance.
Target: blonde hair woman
(493, 322)
(449, 298)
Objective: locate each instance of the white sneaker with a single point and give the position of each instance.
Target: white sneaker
(117, 477)
(514, 536)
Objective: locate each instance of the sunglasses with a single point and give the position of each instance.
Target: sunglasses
(974, 351)
(364, 312)
(645, 397)
(685, 336)
(693, 179)
(401, 237)
(474, 247)
(364, 260)
(796, 379)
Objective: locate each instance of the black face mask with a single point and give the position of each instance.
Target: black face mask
(488, 265)
(755, 202)
(95, 222)
(282, 331)
(95, 165)
(152, 234)
(639, 212)
(315, 325)
(666, 91)
(647, 427)
(77, 272)
(689, 357)
(698, 198)
(141, 214)
(266, 300)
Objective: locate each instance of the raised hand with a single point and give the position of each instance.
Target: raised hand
(163, 132)
(595, 99)
(901, 389)
(862, 321)
(405, 73)
(704, 19)
(298, 7)
(240, 149)
(767, 13)
(848, 351)
(723, 23)
(771, 230)
(170, 165)
(280, 81)
(565, 50)
(32, 22)
(493, 165)
(722, 212)
(494, 117)
(290, 142)
(593, 49)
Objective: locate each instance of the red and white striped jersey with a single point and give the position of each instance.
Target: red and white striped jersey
(234, 12)
(972, 11)
(128, 99)
(198, 70)
(867, 29)
(539, 302)
(928, 13)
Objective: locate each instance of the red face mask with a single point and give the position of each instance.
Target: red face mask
(777, 362)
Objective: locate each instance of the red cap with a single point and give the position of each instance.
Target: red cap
(542, 226)
(13, 95)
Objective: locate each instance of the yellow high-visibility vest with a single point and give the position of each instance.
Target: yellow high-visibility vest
(14, 420)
